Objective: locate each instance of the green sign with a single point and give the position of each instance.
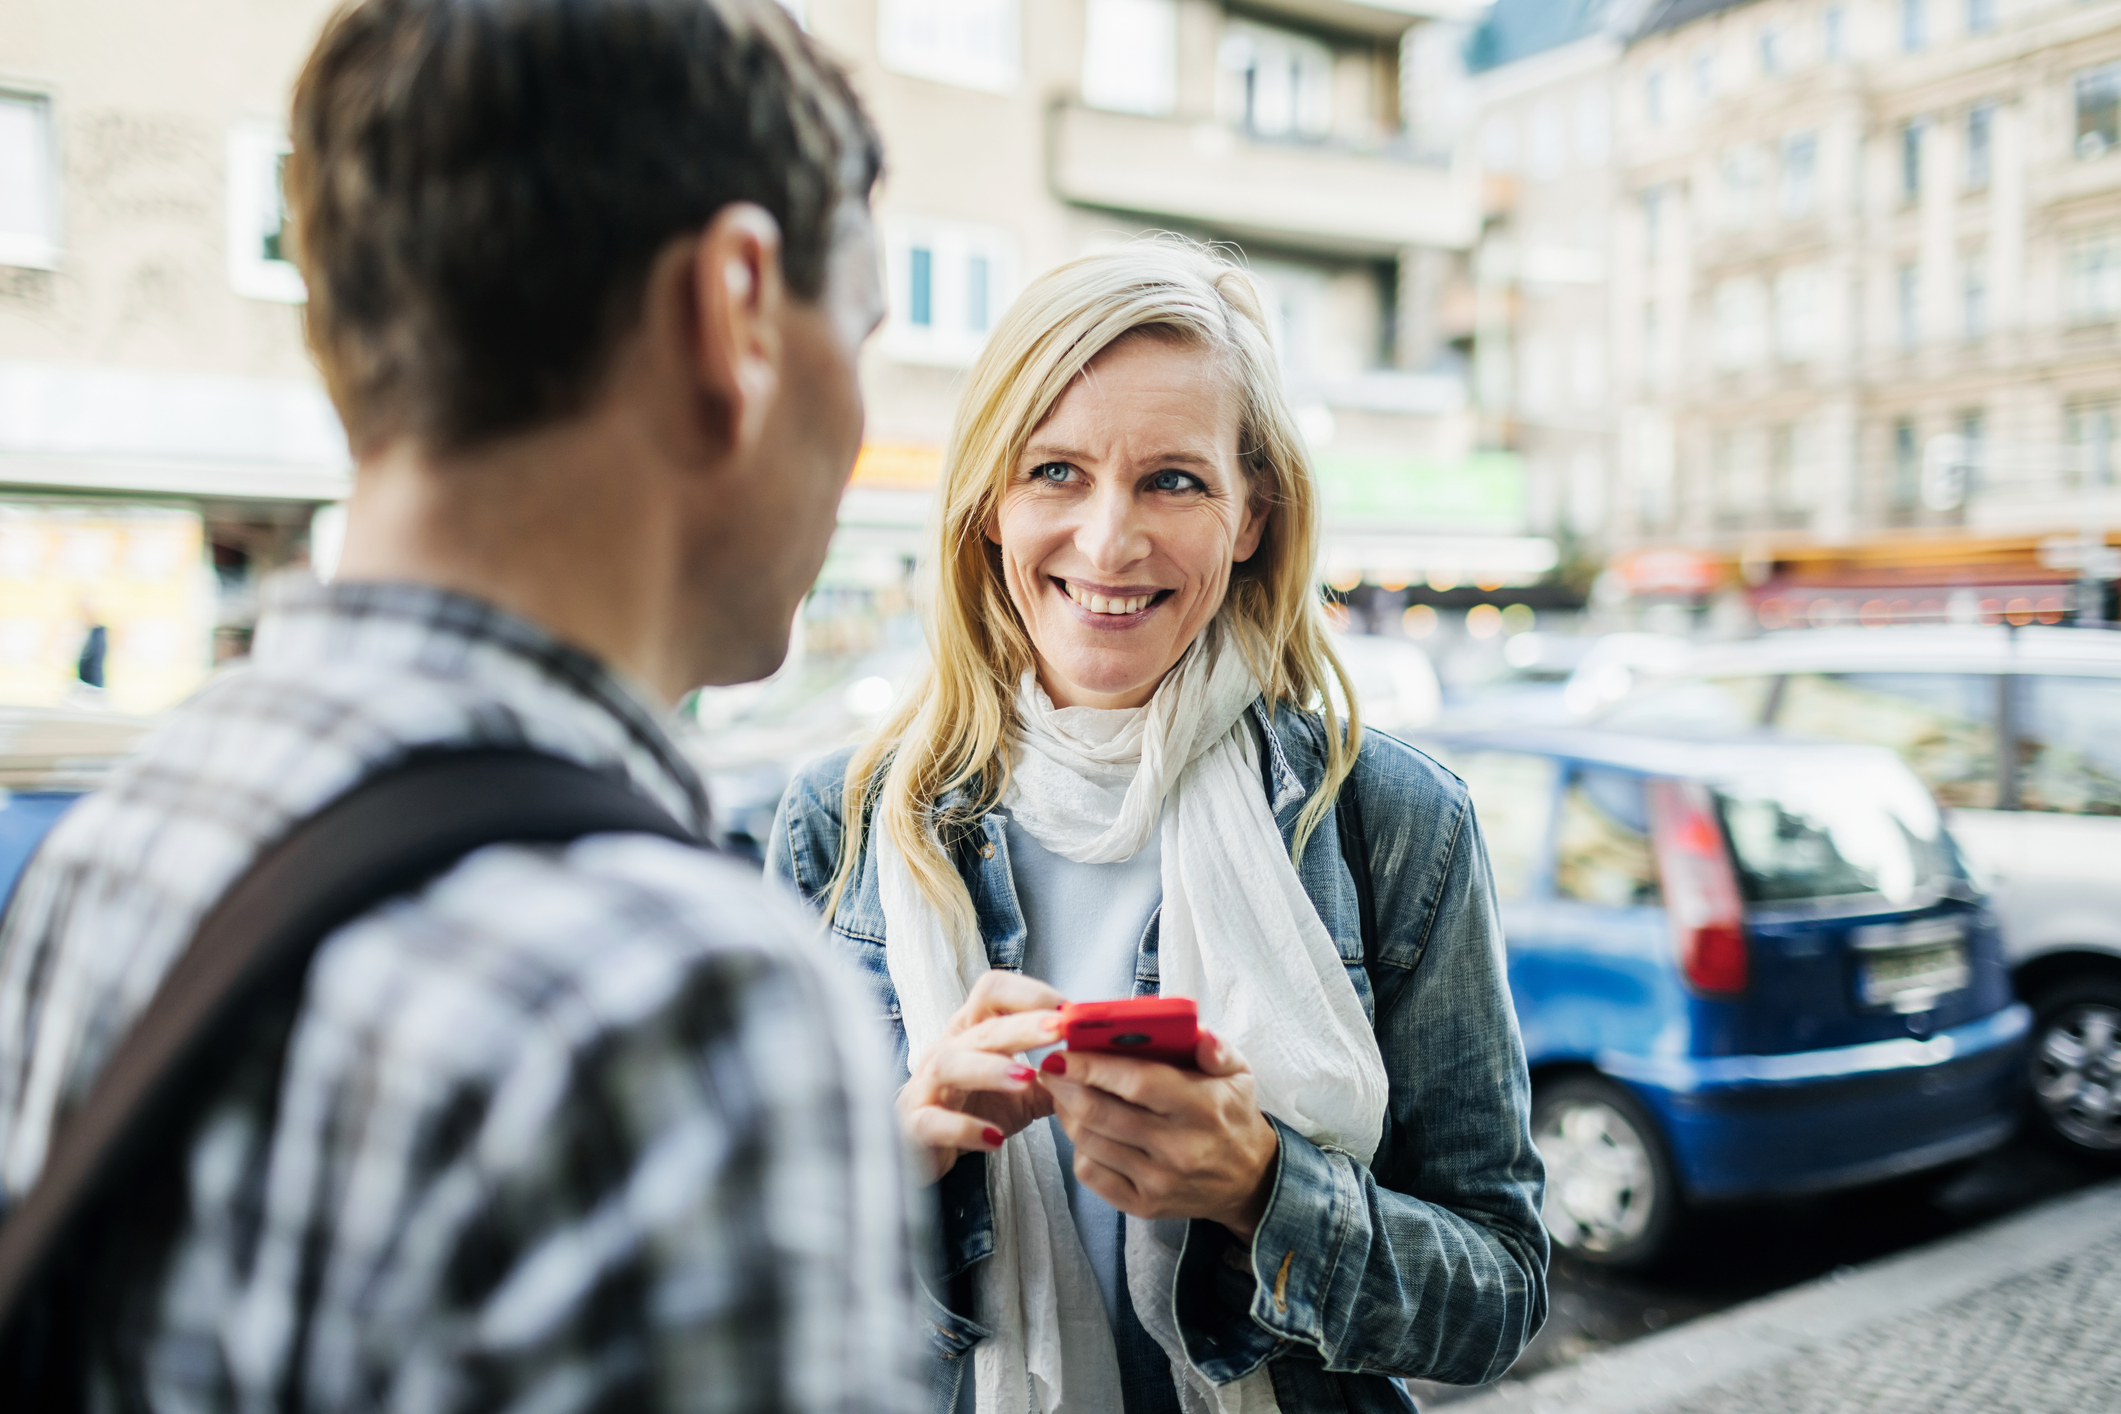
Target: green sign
(1362, 491)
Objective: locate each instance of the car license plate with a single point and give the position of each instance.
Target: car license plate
(1907, 966)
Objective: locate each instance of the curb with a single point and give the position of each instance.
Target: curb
(1647, 1374)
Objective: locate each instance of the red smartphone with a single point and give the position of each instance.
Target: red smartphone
(1163, 1029)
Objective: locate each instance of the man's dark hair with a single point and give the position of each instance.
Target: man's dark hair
(479, 187)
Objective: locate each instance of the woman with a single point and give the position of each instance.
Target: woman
(1125, 776)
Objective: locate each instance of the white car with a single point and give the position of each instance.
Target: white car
(2018, 734)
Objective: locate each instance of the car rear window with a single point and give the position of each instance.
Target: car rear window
(1853, 828)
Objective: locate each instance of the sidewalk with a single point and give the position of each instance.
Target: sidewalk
(2020, 1317)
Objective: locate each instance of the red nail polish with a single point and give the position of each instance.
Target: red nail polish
(1022, 1074)
(992, 1135)
(1055, 1064)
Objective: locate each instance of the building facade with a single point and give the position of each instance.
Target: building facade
(150, 349)
(1866, 282)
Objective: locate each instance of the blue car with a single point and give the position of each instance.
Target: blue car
(1744, 967)
(50, 757)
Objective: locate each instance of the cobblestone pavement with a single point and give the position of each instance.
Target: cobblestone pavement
(2019, 1316)
(2044, 1342)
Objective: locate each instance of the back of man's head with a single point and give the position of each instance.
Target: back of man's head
(478, 189)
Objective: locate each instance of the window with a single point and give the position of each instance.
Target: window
(2098, 110)
(1913, 31)
(1653, 98)
(1741, 185)
(1907, 290)
(1130, 55)
(1833, 833)
(1274, 83)
(2069, 756)
(1833, 26)
(1980, 16)
(1736, 316)
(258, 267)
(947, 283)
(2094, 276)
(2089, 429)
(1941, 724)
(1652, 222)
(1770, 52)
(1911, 160)
(970, 43)
(1980, 144)
(1545, 149)
(1973, 451)
(1602, 851)
(1800, 174)
(1797, 314)
(1704, 74)
(29, 183)
(1594, 126)
(1973, 296)
(1513, 800)
(1498, 144)
(1907, 466)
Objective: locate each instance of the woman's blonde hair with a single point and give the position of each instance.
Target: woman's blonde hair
(952, 731)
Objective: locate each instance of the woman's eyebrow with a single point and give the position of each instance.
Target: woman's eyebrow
(1041, 452)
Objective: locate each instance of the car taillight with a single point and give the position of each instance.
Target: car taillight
(1700, 891)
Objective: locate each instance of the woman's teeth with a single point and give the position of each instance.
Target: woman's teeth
(1099, 604)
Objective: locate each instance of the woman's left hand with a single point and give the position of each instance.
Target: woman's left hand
(1155, 1141)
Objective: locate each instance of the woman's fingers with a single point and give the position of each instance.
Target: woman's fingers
(938, 1128)
(1009, 1034)
(999, 993)
(961, 1068)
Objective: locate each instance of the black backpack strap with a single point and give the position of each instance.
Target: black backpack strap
(245, 968)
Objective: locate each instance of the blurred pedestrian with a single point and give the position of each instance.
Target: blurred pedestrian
(1122, 778)
(588, 1126)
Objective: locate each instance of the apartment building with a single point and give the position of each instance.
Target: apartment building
(1023, 133)
(157, 408)
(1867, 272)
(163, 441)
(1544, 77)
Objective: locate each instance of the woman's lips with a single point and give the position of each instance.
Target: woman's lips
(1094, 608)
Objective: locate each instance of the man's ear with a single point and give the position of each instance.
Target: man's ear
(738, 300)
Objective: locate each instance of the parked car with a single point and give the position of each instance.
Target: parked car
(49, 758)
(2017, 732)
(1393, 679)
(1743, 967)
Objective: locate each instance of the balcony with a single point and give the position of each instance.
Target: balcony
(1204, 173)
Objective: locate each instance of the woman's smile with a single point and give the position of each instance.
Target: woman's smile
(1111, 608)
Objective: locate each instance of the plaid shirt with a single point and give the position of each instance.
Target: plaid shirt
(570, 1128)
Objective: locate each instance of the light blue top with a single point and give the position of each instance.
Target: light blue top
(1083, 926)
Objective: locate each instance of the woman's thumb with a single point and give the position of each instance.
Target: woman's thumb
(1217, 1057)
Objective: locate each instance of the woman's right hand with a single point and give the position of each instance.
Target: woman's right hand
(969, 1091)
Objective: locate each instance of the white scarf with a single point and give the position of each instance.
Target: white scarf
(1237, 934)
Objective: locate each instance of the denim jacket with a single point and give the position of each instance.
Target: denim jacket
(1430, 1262)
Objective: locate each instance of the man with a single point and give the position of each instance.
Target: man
(569, 1128)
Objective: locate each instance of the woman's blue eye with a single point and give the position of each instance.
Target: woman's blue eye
(1174, 481)
(1052, 471)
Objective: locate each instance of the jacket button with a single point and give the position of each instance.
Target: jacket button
(986, 851)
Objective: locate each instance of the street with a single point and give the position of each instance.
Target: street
(1738, 1254)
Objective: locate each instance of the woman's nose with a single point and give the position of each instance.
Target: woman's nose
(1112, 534)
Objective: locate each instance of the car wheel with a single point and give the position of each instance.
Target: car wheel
(1612, 1197)
(2076, 1068)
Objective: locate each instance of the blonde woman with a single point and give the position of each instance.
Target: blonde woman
(1123, 777)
